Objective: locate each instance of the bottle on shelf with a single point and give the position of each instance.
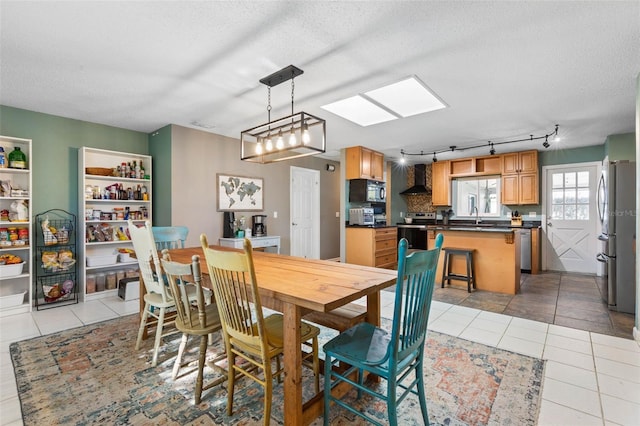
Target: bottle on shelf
(3, 158)
(137, 166)
(17, 159)
(141, 175)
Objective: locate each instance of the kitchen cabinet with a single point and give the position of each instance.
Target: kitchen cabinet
(476, 166)
(16, 229)
(520, 178)
(105, 203)
(372, 246)
(440, 184)
(364, 163)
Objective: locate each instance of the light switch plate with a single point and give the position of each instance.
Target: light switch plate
(337, 214)
(275, 215)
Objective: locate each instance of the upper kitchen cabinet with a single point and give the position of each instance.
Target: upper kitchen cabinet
(520, 178)
(364, 163)
(520, 162)
(441, 183)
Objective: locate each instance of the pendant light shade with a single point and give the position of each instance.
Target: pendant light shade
(305, 133)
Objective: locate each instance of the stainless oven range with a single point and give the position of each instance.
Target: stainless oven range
(416, 231)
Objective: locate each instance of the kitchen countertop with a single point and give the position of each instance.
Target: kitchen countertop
(470, 228)
(370, 226)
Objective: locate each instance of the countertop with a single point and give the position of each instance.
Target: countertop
(471, 228)
(370, 226)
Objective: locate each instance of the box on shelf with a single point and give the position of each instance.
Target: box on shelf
(129, 288)
(104, 260)
(12, 300)
(11, 270)
(125, 258)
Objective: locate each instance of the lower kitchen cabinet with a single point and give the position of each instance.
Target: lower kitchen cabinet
(372, 246)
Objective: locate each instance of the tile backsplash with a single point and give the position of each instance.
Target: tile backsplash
(421, 202)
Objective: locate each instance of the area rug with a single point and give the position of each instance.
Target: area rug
(93, 374)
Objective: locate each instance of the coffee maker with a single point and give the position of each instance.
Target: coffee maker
(228, 226)
(259, 225)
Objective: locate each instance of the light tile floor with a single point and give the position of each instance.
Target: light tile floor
(589, 379)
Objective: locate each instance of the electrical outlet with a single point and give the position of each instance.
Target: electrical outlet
(532, 214)
(275, 215)
(401, 214)
(337, 214)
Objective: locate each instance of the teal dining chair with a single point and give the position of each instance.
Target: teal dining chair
(394, 355)
(169, 237)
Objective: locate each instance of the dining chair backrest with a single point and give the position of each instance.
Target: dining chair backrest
(179, 274)
(235, 287)
(414, 291)
(169, 237)
(148, 260)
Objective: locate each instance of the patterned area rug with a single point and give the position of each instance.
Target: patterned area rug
(93, 374)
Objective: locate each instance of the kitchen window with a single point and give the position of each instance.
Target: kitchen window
(473, 193)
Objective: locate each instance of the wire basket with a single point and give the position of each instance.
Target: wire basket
(56, 231)
(57, 288)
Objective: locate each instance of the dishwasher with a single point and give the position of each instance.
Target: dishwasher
(525, 250)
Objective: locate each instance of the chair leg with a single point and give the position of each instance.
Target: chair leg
(156, 345)
(327, 387)
(268, 391)
(201, 361)
(421, 392)
(360, 382)
(469, 275)
(392, 405)
(143, 324)
(231, 360)
(178, 363)
(316, 364)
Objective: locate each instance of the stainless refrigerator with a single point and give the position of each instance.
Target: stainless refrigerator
(617, 213)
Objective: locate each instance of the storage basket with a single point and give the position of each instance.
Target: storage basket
(99, 171)
(12, 300)
(12, 270)
(103, 260)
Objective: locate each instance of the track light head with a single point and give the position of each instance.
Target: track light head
(492, 151)
(435, 159)
(546, 142)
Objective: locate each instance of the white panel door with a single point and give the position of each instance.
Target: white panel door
(305, 213)
(571, 219)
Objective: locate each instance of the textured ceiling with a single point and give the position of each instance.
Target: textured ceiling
(506, 69)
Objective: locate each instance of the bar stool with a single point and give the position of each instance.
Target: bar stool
(447, 275)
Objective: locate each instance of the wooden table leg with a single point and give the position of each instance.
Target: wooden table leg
(292, 365)
(373, 308)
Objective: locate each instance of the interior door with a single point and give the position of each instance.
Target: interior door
(305, 213)
(571, 218)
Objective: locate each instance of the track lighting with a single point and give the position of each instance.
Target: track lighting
(492, 150)
(402, 159)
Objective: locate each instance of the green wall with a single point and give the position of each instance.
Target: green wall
(568, 156)
(621, 147)
(54, 160)
(160, 150)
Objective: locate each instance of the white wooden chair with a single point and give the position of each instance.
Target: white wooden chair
(157, 299)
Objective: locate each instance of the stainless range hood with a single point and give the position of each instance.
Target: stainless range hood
(419, 182)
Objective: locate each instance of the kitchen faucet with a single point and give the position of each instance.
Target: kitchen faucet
(477, 215)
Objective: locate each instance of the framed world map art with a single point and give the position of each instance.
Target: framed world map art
(239, 193)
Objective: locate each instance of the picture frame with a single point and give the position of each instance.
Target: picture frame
(239, 193)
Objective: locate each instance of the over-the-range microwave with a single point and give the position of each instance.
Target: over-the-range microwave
(367, 191)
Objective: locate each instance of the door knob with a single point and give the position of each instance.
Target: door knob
(549, 224)
(294, 224)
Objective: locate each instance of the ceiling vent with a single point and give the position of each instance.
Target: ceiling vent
(419, 181)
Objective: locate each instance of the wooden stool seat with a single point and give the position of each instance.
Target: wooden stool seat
(447, 275)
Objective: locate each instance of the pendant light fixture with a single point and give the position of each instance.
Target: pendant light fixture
(305, 133)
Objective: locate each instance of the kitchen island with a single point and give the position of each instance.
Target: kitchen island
(496, 255)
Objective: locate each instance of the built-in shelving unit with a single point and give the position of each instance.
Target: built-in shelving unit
(103, 215)
(15, 235)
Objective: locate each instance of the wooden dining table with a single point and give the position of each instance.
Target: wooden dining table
(296, 286)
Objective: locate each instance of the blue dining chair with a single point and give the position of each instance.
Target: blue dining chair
(393, 355)
(169, 237)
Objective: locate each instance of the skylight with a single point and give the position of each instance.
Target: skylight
(360, 111)
(405, 98)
